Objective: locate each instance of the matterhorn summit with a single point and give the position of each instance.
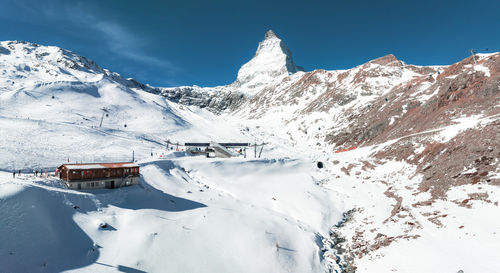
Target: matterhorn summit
(272, 62)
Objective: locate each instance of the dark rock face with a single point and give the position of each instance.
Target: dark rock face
(270, 34)
(374, 130)
(213, 100)
(387, 60)
(468, 92)
(4, 50)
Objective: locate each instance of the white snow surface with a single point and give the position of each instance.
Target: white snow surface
(189, 214)
(52, 112)
(97, 166)
(483, 69)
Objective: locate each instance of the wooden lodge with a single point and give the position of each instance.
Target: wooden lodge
(98, 175)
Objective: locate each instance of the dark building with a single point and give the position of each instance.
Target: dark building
(99, 175)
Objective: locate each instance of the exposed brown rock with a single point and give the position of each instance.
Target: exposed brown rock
(388, 60)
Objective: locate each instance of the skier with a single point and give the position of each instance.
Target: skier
(36, 173)
(14, 174)
(19, 172)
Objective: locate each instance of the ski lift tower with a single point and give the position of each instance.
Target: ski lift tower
(104, 111)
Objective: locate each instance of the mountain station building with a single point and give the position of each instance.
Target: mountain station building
(98, 175)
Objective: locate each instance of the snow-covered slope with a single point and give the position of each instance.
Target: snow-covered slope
(56, 105)
(189, 214)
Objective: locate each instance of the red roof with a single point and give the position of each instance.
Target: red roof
(87, 166)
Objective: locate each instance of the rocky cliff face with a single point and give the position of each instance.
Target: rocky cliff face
(217, 99)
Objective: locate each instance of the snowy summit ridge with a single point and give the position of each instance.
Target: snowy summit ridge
(272, 62)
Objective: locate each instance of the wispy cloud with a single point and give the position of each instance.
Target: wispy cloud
(118, 39)
(115, 38)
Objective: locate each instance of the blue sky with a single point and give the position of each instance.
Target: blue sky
(169, 43)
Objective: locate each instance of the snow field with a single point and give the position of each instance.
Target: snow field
(216, 216)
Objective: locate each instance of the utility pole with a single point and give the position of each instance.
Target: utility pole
(102, 117)
(473, 55)
(255, 150)
(104, 112)
(133, 156)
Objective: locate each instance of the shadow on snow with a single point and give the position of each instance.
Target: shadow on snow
(38, 233)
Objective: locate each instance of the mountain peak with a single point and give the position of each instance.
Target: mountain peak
(270, 35)
(272, 61)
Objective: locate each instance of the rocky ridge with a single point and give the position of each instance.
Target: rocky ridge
(43, 63)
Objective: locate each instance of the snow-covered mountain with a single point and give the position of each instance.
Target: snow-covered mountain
(416, 144)
(271, 63)
(410, 156)
(51, 98)
(433, 128)
(189, 214)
